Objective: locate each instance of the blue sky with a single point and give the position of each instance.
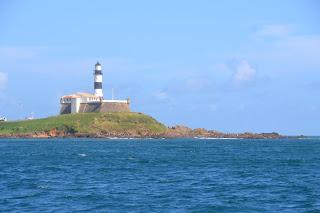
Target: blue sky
(232, 66)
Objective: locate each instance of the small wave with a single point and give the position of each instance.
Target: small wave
(82, 155)
(204, 138)
(116, 138)
(308, 138)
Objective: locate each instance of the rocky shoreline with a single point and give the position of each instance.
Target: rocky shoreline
(171, 132)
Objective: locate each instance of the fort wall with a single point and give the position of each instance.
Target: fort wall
(97, 107)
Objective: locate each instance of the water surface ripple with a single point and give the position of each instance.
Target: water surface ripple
(184, 175)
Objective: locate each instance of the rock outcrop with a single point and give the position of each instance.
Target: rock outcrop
(180, 131)
(172, 132)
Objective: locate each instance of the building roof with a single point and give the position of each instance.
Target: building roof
(98, 64)
(80, 95)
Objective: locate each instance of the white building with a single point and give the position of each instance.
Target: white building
(85, 102)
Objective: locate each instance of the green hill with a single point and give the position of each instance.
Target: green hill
(115, 124)
(91, 124)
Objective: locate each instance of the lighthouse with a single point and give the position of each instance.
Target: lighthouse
(82, 102)
(98, 80)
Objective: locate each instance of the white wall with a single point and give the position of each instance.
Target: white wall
(75, 105)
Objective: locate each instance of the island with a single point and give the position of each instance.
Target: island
(110, 125)
(85, 114)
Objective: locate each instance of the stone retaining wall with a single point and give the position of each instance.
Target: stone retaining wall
(97, 107)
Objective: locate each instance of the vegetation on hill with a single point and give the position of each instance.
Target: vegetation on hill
(115, 124)
(91, 124)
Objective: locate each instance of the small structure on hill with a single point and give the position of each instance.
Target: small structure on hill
(85, 102)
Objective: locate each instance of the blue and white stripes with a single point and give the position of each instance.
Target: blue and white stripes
(98, 80)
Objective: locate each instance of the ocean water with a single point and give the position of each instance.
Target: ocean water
(149, 175)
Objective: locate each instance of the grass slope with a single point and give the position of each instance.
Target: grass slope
(87, 123)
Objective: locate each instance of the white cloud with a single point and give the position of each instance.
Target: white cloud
(285, 51)
(161, 96)
(3, 80)
(301, 46)
(274, 31)
(244, 73)
(290, 54)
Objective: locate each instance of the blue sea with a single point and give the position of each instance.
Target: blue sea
(159, 175)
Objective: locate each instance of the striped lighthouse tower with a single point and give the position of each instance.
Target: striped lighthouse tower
(98, 80)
